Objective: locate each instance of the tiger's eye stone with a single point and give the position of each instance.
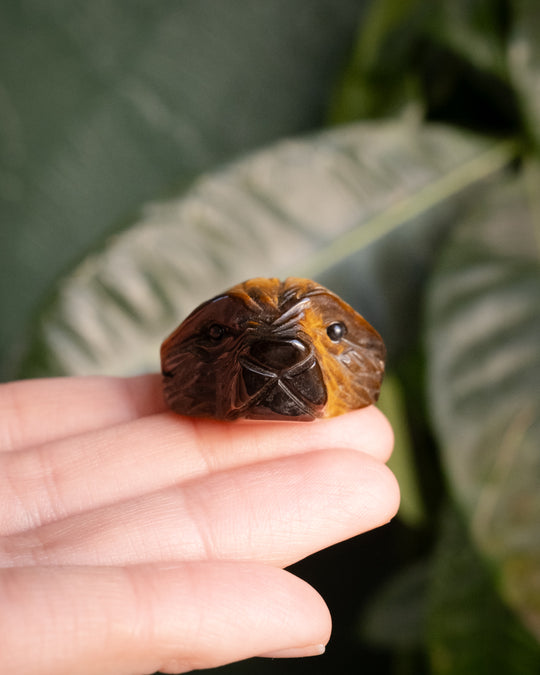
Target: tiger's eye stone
(271, 349)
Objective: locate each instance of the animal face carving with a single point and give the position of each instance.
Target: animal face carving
(267, 349)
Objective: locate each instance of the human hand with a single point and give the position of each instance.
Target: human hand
(134, 540)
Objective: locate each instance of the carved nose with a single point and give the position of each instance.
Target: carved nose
(278, 355)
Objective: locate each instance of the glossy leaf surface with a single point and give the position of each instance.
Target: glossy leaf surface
(339, 205)
(470, 631)
(106, 105)
(524, 63)
(484, 350)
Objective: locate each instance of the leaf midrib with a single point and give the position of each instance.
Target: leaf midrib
(411, 206)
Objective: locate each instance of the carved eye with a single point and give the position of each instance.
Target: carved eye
(216, 332)
(336, 331)
(272, 350)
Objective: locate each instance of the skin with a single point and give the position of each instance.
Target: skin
(134, 540)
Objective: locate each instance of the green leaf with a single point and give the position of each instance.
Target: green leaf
(524, 62)
(483, 320)
(402, 461)
(340, 206)
(396, 616)
(379, 81)
(469, 629)
(444, 60)
(106, 105)
(475, 30)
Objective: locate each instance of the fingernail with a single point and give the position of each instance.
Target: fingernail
(295, 652)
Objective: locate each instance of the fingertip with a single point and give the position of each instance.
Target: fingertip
(258, 610)
(377, 435)
(367, 430)
(172, 617)
(389, 494)
(296, 652)
(361, 492)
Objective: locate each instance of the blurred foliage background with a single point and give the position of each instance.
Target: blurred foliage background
(154, 153)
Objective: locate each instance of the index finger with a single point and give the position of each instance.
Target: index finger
(33, 412)
(71, 475)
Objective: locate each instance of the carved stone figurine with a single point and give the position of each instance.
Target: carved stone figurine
(272, 350)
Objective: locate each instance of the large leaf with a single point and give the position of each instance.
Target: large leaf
(484, 352)
(524, 62)
(381, 79)
(396, 616)
(470, 631)
(445, 59)
(301, 207)
(402, 462)
(474, 29)
(105, 105)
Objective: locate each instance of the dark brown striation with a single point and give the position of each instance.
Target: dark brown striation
(267, 349)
